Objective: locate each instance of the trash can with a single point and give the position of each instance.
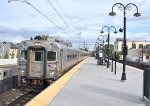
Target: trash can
(146, 83)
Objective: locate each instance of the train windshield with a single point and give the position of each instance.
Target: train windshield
(39, 56)
(23, 54)
(51, 56)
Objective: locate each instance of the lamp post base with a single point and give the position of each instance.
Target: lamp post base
(123, 76)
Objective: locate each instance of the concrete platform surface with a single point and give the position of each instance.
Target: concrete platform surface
(96, 85)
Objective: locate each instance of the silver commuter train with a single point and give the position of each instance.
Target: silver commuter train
(45, 60)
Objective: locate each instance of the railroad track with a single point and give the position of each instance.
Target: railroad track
(23, 99)
(24, 94)
(28, 92)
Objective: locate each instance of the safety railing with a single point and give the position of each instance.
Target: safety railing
(8, 61)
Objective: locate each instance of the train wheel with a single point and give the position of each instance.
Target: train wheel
(45, 84)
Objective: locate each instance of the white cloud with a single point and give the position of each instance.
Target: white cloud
(89, 16)
(14, 39)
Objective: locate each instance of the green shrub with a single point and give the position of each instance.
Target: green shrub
(6, 55)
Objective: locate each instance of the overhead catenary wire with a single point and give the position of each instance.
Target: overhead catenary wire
(129, 16)
(44, 15)
(58, 4)
(64, 12)
(27, 12)
(133, 11)
(58, 13)
(141, 36)
(138, 7)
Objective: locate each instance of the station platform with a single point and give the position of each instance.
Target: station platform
(94, 85)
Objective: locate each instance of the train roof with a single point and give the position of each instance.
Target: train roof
(27, 43)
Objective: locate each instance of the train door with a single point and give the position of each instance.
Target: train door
(36, 63)
(61, 60)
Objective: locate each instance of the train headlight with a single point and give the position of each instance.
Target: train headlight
(37, 44)
(22, 71)
(52, 73)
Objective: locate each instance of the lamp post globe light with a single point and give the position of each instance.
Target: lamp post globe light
(102, 48)
(102, 41)
(124, 8)
(102, 38)
(108, 29)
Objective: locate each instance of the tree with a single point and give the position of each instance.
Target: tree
(31, 38)
(38, 37)
(68, 43)
(45, 36)
(81, 49)
(55, 38)
(117, 56)
(17, 44)
(105, 48)
(17, 55)
(86, 49)
(12, 54)
(6, 55)
(120, 53)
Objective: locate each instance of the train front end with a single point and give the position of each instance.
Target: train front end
(37, 62)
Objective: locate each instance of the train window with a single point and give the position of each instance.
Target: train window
(23, 54)
(147, 46)
(38, 56)
(4, 73)
(140, 45)
(69, 57)
(51, 56)
(147, 57)
(133, 45)
(75, 56)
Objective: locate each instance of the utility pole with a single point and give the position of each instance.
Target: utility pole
(79, 38)
(84, 45)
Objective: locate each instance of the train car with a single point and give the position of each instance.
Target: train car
(43, 60)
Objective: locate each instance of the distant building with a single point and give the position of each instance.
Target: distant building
(137, 50)
(8, 50)
(1, 49)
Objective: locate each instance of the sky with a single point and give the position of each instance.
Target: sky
(67, 18)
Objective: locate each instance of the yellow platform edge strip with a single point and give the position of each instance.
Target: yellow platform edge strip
(46, 96)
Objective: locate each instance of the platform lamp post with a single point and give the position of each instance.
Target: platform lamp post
(102, 38)
(102, 45)
(95, 46)
(97, 50)
(108, 29)
(98, 43)
(124, 8)
(142, 52)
